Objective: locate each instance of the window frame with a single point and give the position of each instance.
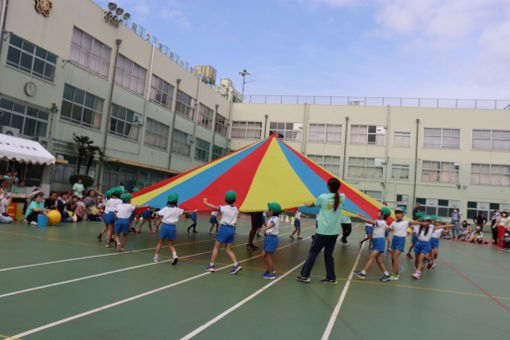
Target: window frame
(492, 139)
(202, 152)
(221, 125)
(442, 137)
(440, 171)
(125, 123)
(156, 91)
(289, 134)
(130, 76)
(364, 166)
(245, 129)
(155, 133)
(325, 162)
(30, 117)
(356, 137)
(83, 107)
(400, 167)
(176, 143)
(205, 116)
(433, 203)
(490, 174)
(325, 133)
(184, 106)
(101, 60)
(402, 134)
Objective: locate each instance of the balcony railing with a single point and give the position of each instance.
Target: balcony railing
(452, 103)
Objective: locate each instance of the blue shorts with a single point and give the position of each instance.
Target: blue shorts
(225, 234)
(369, 230)
(122, 225)
(297, 223)
(146, 214)
(270, 243)
(434, 242)
(109, 218)
(398, 243)
(422, 247)
(213, 220)
(168, 231)
(386, 234)
(379, 244)
(133, 214)
(414, 238)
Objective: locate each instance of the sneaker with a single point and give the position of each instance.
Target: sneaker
(156, 258)
(33, 223)
(236, 269)
(99, 236)
(384, 278)
(433, 265)
(328, 281)
(107, 245)
(429, 266)
(303, 279)
(175, 260)
(291, 237)
(211, 269)
(268, 276)
(118, 246)
(409, 256)
(394, 277)
(416, 276)
(120, 250)
(360, 275)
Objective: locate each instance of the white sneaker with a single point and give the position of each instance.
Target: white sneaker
(33, 223)
(156, 258)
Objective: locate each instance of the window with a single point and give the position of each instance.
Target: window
(181, 143)
(445, 172)
(29, 120)
(124, 122)
(400, 172)
(486, 208)
(368, 134)
(365, 167)
(202, 150)
(441, 138)
(161, 91)
(325, 133)
(402, 139)
(130, 75)
(156, 134)
(249, 130)
(402, 201)
(221, 125)
(218, 152)
(490, 174)
(376, 195)
(90, 53)
(330, 163)
(491, 140)
(205, 116)
(62, 172)
(27, 57)
(286, 131)
(441, 208)
(185, 105)
(81, 107)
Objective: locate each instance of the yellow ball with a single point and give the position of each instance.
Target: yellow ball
(54, 217)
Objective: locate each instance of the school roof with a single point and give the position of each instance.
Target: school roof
(24, 150)
(265, 171)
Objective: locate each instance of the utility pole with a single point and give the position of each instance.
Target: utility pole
(243, 74)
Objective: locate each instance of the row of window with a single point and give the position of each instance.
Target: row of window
(30, 121)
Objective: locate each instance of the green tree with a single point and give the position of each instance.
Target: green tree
(91, 152)
(82, 144)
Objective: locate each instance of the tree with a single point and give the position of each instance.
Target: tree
(82, 143)
(91, 152)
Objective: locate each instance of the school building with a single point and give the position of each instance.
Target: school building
(72, 67)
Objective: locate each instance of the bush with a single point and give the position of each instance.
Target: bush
(87, 181)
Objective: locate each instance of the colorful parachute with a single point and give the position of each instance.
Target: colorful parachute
(265, 171)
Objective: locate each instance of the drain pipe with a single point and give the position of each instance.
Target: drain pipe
(413, 202)
(344, 160)
(3, 15)
(174, 105)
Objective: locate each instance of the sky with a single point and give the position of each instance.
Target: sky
(402, 48)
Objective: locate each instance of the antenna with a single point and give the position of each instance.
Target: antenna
(243, 74)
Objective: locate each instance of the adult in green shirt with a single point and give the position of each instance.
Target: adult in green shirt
(78, 188)
(328, 228)
(35, 208)
(346, 222)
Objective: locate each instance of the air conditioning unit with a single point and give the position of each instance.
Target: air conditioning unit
(189, 140)
(138, 119)
(10, 131)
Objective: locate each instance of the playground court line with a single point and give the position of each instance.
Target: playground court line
(87, 277)
(239, 304)
(338, 306)
(481, 258)
(132, 298)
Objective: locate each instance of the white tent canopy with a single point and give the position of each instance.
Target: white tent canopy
(24, 150)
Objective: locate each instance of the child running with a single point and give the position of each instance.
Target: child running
(378, 243)
(124, 213)
(170, 216)
(414, 239)
(109, 214)
(297, 225)
(369, 231)
(226, 232)
(439, 227)
(422, 247)
(106, 215)
(271, 241)
(148, 216)
(193, 225)
(214, 221)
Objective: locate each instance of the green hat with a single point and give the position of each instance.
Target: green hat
(275, 207)
(419, 214)
(230, 196)
(173, 197)
(399, 210)
(135, 190)
(117, 190)
(108, 193)
(426, 217)
(125, 197)
(386, 211)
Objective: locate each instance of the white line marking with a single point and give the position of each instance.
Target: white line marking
(111, 305)
(237, 305)
(336, 311)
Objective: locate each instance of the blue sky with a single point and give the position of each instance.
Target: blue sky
(427, 48)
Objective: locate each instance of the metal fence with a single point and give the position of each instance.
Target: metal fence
(498, 104)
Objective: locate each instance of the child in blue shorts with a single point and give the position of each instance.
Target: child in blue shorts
(109, 214)
(369, 231)
(422, 247)
(214, 221)
(414, 239)
(147, 215)
(297, 225)
(378, 243)
(271, 241)
(193, 225)
(226, 232)
(170, 216)
(124, 212)
(434, 241)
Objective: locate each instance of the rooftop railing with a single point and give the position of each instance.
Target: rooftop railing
(451, 103)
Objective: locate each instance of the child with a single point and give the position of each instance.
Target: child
(414, 239)
(466, 230)
(193, 225)
(170, 216)
(446, 234)
(477, 236)
(147, 215)
(434, 241)
(378, 242)
(271, 241)
(124, 212)
(109, 214)
(35, 208)
(422, 248)
(99, 235)
(369, 230)
(214, 221)
(500, 225)
(297, 225)
(226, 232)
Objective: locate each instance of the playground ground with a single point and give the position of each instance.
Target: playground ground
(61, 283)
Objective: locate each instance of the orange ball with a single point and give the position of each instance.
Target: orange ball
(54, 217)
